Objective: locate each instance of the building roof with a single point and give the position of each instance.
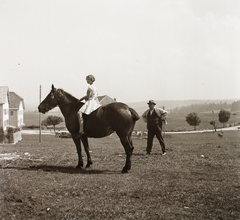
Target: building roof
(4, 91)
(105, 99)
(101, 97)
(15, 100)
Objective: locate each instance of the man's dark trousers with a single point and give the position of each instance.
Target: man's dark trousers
(154, 126)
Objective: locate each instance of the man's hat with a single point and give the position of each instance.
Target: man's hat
(151, 102)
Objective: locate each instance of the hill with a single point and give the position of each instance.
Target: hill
(169, 105)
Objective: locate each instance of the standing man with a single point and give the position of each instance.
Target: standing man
(154, 117)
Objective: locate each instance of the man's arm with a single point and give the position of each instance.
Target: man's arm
(144, 116)
(162, 113)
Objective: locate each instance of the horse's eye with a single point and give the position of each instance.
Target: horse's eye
(52, 96)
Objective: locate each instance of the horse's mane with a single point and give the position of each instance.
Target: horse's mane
(68, 95)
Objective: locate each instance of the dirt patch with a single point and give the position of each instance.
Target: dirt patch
(9, 156)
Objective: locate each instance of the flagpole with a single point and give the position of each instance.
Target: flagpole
(40, 131)
(163, 125)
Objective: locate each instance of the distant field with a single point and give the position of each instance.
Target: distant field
(32, 118)
(176, 122)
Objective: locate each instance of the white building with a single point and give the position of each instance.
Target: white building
(105, 99)
(16, 108)
(4, 107)
(11, 109)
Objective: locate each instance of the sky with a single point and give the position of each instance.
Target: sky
(137, 49)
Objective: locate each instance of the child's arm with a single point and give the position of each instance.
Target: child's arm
(88, 96)
(84, 97)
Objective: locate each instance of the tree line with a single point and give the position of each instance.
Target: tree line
(235, 106)
(194, 120)
(202, 107)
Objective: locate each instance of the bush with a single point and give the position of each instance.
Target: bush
(32, 127)
(223, 116)
(2, 135)
(10, 131)
(193, 119)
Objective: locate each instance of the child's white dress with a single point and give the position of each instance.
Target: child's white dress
(92, 102)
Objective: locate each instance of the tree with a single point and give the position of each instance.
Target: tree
(44, 123)
(214, 124)
(235, 106)
(223, 116)
(52, 120)
(193, 119)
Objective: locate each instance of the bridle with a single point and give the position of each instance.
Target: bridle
(53, 96)
(56, 98)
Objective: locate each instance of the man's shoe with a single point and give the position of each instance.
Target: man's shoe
(164, 153)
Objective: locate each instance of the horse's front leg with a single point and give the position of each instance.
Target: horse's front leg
(84, 140)
(79, 152)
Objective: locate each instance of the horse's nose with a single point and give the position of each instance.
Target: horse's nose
(39, 109)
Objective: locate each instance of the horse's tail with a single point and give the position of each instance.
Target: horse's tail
(135, 115)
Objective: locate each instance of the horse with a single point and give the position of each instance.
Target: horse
(114, 117)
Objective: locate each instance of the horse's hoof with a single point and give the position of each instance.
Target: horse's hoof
(79, 167)
(88, 166)
(124, 170)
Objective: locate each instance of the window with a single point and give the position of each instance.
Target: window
(11, 112)
(6, 123)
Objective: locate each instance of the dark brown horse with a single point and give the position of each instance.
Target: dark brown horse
(102, 122)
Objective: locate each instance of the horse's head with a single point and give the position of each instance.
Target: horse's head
(50, 102)
(57, 97)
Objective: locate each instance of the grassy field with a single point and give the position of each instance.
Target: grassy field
(177, 122)
(197, 179)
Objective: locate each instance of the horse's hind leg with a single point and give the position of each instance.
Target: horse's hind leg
(130, 141)
(126, 142)
(86, 148)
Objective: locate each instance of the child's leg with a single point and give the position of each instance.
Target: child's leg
(80, 120)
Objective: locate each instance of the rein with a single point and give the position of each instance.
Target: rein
(57, 95)
(66, 103)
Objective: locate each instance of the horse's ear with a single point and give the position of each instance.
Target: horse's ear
(52, 87)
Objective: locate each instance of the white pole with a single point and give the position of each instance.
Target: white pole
(163, 125)
(40, 131)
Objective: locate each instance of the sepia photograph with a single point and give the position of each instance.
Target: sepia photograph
(119, 109)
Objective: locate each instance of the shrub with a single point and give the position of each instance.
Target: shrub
(224, 116)
(2, 135)
(32, 126)
(193, 119)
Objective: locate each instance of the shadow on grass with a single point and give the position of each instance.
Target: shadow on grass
(155, 153)
(64, 169)
(145, 154)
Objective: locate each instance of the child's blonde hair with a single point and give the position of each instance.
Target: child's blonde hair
(90, 77)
